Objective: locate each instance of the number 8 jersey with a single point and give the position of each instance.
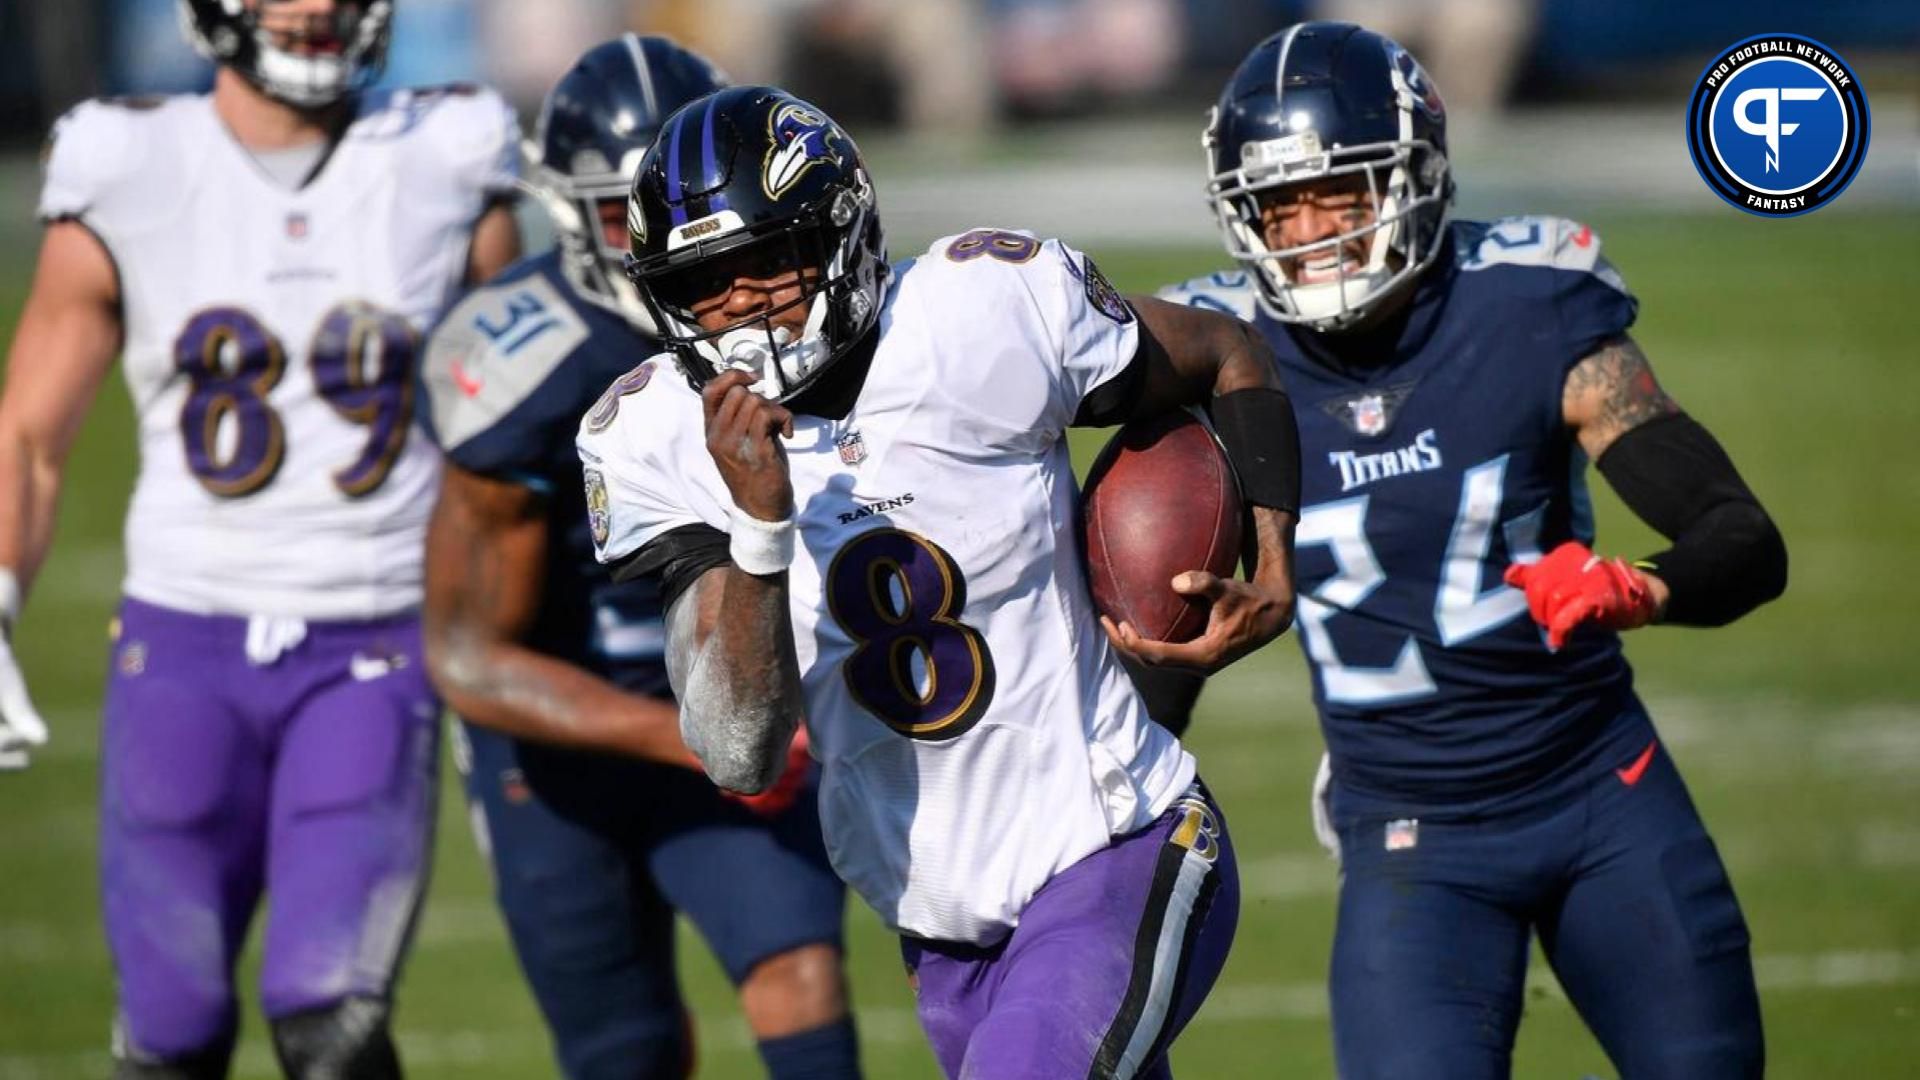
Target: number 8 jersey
(270, 338)
(976, 732)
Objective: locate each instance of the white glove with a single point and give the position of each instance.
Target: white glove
(1323, 829)
(20, 725)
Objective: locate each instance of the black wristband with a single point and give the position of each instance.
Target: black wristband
(1257, 428)
(1727, 557)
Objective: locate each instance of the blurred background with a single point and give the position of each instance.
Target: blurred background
(1794, 340)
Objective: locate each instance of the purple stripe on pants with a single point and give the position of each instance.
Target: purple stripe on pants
(1111, 959)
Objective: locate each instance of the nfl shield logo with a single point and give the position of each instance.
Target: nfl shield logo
(297, 226)
(1403, 834)
(1370, 414)
(853, 448)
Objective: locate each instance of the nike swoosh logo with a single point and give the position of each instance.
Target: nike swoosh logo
(1632, 773)
(468, 385)
(366, 668)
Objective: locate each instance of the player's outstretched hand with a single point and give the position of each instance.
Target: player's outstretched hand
(1245, 615)
(743, 435)
(1572, 587)
(21, 728)
(779, 798)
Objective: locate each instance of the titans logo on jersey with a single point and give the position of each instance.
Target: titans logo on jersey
(1425, 476)
(509, 373)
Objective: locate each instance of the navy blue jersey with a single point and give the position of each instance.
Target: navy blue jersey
(509, 372)
(1424, 474)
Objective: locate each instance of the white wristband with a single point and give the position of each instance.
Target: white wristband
(760, 547)
(9, 597)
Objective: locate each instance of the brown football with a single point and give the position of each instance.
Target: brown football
(1160, 500)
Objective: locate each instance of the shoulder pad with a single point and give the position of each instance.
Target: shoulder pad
(1227, 291)
(1552, 243)
(1531, 240)
(91, 148)
(493, 350)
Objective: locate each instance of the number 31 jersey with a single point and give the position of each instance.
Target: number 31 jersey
(976, 732)
(270, 339)
(1423, 476)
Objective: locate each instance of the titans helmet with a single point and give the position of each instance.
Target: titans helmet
(229, 33)
(1325, 100)
(753, 176)
(593, 132)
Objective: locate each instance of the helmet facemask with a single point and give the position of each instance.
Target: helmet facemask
(1408, 188)
(229, 32)
(589, 215)
(837, 248)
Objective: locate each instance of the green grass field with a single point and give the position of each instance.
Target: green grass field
(1798, 729)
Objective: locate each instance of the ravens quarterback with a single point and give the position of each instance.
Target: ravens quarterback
(853, 481)
(597, 821)
(1491, 774)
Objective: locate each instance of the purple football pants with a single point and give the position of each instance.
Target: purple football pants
(311, 777)
(1110, 960)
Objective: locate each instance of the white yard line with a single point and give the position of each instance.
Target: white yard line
(1242, 1003)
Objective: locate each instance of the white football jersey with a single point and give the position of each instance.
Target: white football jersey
(977, 733)
(270, 339)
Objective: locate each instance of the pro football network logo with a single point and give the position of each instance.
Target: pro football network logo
(1778, 125)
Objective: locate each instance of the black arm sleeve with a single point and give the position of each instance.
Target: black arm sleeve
(1262, 440)
(679, 556)
(1727, 557)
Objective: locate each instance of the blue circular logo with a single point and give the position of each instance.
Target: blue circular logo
(1778, 125)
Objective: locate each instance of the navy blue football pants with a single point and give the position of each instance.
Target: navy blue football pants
(1632, 906)
(593, 854)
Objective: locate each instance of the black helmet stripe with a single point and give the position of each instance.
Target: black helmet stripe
(686, 200)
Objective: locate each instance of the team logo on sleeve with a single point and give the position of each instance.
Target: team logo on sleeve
(800, 140)
(1778, 125)
(599, 516)
(1103, 296)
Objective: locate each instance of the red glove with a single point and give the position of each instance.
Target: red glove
(779, 798)
(1573, 586)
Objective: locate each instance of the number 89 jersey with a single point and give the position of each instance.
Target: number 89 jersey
(976, 732)
(270, 339)
(1423, 477)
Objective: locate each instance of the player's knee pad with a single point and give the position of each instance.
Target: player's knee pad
(348, 1040)
(208, 1064)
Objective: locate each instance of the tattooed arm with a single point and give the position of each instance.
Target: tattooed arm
(1727, 556)
(486, 553)
(1610, 393)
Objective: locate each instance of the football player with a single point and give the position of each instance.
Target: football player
(1492, 773)
(853, 483)
(594, 814)
(265, 257)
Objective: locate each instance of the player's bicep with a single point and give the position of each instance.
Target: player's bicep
(1611, 391)
(1185, 355)
(486, 559)
(69, 333)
